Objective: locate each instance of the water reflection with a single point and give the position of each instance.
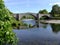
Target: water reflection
(29, 21)
(55, 27)
(43, 25)
(46, 34)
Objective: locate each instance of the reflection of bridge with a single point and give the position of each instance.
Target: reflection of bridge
(35, 15)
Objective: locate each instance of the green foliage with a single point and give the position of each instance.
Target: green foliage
(16, 24)
(28, 17)
(30, 25)
(10, 12)
(24, 17)
(56, 18)
(25, 24)
(55, 12)
(13, 24)
(1, 4)
(44, 11)
(7, 36)
(44, 18)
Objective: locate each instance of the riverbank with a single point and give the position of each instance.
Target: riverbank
(50, 21)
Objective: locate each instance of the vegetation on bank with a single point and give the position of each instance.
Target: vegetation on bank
(44, 18)
(44, 11)
(7, 36)
(55, 15)
(55, 12)
(20, 25)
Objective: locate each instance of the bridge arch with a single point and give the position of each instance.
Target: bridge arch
(24, 15)
(46, 16)
(36, 16)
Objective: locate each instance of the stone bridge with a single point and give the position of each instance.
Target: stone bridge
(35, 15)
(41, 15)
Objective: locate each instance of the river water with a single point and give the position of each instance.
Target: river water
(46, 34)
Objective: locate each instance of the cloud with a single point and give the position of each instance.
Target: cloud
(55, 3)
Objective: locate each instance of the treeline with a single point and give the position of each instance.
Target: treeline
(55, 12)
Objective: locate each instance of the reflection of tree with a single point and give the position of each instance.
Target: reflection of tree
(44, 25)
(55, 27)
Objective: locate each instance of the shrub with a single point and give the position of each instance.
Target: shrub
(30, 25)
(7, 36)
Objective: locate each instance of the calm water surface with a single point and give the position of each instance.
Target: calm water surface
(29, 21)
(46, 34)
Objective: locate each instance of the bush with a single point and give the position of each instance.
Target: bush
(30, 25)
(13, 24)
(7, 36)
(24, 17)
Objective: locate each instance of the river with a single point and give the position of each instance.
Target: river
(46, 34)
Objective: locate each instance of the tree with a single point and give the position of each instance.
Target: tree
(44, 11)
(7, 36)
(10, 12)
(55, 12)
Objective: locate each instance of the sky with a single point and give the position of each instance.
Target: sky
(23, 6)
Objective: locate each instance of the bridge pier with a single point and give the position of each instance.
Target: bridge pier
(17, 17)
(37, 22)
